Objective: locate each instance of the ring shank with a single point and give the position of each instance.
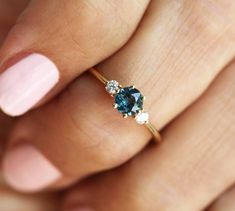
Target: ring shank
(154, 132)
(149, 125)
(101, 78)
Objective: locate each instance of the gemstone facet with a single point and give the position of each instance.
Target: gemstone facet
(129, 101)
(112, 87)
(142, 118)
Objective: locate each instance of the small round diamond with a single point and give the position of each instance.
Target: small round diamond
(129, 101)
(142, 118)
(112, 87)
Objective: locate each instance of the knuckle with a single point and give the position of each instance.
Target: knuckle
(209, 19)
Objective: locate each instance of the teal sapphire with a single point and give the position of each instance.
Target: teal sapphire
(129, 101)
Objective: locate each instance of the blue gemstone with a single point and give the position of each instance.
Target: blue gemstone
(129, 101)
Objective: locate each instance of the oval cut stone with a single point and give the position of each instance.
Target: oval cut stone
(129, 101)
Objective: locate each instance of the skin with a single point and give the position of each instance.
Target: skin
(185, 173)
(211, 48)
(225, 202)
(77, 106)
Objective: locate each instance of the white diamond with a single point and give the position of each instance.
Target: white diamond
(112, 87)
(142, 118)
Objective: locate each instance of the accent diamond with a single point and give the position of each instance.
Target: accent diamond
(142, 118)
(112, 87)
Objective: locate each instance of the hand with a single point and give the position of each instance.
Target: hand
(175, 39)
(36, 30)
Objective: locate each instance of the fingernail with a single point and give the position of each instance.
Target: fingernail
(25, 83)
(25, 168)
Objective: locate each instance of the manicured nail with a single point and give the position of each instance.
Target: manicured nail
(25, 83)
(26, 169)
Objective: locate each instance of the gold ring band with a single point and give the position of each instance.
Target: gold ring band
(113, 88)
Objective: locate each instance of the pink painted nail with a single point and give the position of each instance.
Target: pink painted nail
(25, 83)
(26, 169)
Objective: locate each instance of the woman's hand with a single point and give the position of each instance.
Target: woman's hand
(177, 50)
(76, 36)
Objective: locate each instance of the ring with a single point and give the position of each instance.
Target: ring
(128, 101)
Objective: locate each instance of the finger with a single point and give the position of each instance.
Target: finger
(224, 202)
(79, 133)
(9, 11)
(74, 35)
(190, 169)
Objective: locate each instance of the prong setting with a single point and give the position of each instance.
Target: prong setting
(112, 87)
(115, 105)
(125, 116)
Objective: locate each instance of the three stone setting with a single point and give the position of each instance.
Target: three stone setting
(128, 101)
